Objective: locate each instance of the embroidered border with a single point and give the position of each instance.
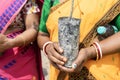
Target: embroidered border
(112, 13)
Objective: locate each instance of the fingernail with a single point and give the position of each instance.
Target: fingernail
(74, 66)
(64, 59)
(61, 50)
(62, 63)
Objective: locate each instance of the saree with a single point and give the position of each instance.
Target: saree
(92, 13)
(18, 63)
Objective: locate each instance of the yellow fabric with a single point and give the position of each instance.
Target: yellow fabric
(90, 12)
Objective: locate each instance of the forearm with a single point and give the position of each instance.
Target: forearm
(21, 40)
(108, 46)
(25, 38)
(42, 39)
(30, 34)
(111, 44)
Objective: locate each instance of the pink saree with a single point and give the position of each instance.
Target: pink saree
(18, 63)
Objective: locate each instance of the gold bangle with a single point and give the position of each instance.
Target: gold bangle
(24, 42)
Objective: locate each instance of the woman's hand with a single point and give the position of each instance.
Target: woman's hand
(5, 43)
(54, 53)
(84, 55)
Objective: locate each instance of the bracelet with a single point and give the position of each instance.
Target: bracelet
(97, 56)
(98, 50)
(24, 42)
(44, 46)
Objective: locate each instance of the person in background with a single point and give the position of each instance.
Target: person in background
(97, 60)
(19, 20)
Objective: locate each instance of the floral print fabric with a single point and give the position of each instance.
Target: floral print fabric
(29, 8)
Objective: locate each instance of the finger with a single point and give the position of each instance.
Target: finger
(58, 48)
(62, 68)
(54, 59)
(58, 56)
(74, 65)
(54, 53)
(79, 61)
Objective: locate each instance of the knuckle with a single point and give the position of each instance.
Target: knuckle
(56, 44)
(60, 57)
(58, 62)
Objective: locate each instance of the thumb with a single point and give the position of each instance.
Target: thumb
(76, 63)
(79, 61)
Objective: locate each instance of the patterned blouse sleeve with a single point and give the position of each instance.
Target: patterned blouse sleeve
(30, 7)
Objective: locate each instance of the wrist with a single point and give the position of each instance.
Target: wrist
(10, 43)
(18, 41)
(91, 52)
(97, 50)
